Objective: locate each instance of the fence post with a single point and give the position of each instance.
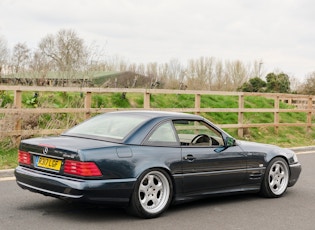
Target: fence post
(276, 114)
(309, 114)
(197, 103)
(18, 122)
(87, 104)
(240, 131)
(146, 100)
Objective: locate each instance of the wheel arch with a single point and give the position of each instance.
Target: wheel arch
(280, 156)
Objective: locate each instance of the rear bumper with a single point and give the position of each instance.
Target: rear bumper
(295, 171)
(116, 191)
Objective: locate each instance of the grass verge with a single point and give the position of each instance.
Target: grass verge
(285, 137)
(8, 158)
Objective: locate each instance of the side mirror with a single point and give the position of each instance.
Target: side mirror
(229, 141)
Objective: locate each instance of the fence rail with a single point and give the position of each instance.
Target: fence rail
(305, 105)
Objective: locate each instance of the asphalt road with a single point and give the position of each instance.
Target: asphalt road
(20, 209)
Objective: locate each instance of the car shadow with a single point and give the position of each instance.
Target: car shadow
(214, 202)
(68, 210)
(51, 207)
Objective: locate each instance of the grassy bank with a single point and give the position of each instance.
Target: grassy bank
(286, 136)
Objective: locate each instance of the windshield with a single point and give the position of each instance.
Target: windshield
(112, 126)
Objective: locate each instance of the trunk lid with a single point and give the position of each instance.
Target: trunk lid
(51, 153)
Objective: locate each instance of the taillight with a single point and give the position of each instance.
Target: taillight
(79, 168)
(24, 157)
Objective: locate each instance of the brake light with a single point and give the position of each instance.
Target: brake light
(24, 157)
(79, 168)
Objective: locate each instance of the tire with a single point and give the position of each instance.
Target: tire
(152, 194)
(276, 178)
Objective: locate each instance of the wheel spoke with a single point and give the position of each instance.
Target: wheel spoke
(155, 200)
(272, 182)
(281, 177)
(144, 200)
(159, 186)
(143, 188)
(150, 180)
(272, 173)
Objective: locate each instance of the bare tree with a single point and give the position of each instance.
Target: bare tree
(175, 74)
(308, 87)
(200, 72)
(152, 73)
(220, 77)
(20, 57)
(4, 53)
(123, 65)
(66, 50)
(40, 65)
(163, 73)
(295, 84)
(141, 69)
(237, 73)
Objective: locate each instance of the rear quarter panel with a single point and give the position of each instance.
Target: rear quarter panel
(131, 161)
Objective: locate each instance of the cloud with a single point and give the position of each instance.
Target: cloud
(280, 33)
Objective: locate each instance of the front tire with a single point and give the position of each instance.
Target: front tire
(276, 178)
(152, 195)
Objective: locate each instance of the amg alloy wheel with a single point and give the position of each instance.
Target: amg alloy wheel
(276, 178)
(152, 195)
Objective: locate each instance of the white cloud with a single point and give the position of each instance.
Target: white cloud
(280, 33)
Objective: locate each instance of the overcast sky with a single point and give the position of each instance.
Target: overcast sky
(279, 33)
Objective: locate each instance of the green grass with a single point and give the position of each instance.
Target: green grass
(8, 158)
(172, 101)
(285, 137)
(8, 154)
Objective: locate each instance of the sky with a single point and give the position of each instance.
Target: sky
(280, 34)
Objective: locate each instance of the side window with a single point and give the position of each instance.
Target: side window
(197, 133)
(164, 135)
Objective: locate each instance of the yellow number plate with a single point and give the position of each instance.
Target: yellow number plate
(49, 163)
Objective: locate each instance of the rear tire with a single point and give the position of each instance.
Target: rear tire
(276, 178)
(152, 194)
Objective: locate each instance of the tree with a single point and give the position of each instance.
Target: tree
(278, 83)
(20, 57)
(65, 49)
(220, 80)
(254, 85)
(309, 86)
(200, 72)
(4, 52)
(39, 65)
(237, 73)
(175, 72)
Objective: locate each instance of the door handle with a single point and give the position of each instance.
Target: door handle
(189, 157)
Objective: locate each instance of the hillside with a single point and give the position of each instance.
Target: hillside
(286, 136)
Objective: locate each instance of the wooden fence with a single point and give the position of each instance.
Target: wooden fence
(17, 110)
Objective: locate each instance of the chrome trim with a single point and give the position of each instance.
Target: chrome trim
(218, 172)
(50, 192)
(45, 155)
(211, 172)
(45, 150)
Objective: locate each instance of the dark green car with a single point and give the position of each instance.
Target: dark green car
(146, 160)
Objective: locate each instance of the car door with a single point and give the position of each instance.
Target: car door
(204, 169)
